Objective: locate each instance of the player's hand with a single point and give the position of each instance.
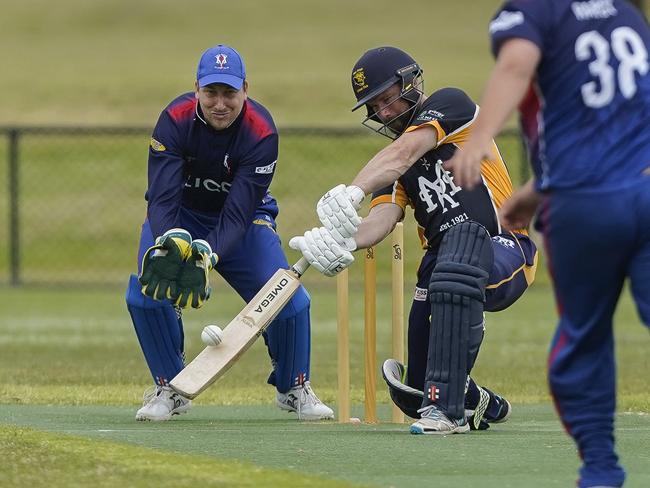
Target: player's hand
(337, 211)
(162, 262)
(465, 164)
(322, 251)
(518, 210)
(193, 280)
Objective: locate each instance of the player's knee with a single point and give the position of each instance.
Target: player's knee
(465, 259)
(467, 243)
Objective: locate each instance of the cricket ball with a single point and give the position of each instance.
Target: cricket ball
(212, 335)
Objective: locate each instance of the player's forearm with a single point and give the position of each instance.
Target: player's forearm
(383, 169)
(377, 225)
(506, 87)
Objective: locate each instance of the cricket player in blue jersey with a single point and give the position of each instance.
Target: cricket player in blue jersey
(469, 264)
(212, 157)
(579, 72)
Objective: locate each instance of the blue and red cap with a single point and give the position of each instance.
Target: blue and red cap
(221, 64)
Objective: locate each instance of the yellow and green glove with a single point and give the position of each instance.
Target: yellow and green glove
(162, 264)
(193, 281)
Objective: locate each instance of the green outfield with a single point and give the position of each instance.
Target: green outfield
(117, 62)
(73, 376)
(71, 371)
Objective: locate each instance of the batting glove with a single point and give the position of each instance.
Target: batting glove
(337, 211)
(322, 251)
(193, 281)
(162, 262)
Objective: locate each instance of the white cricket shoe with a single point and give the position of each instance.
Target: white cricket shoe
(302, 400)
(433, 421)
(160, 403)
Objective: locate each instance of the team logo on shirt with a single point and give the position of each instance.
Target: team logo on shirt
(221, 60)
(504, 242)
(359, 80)
(429, 115)
(157, 146)
(266, 170)
(506, 20)
(443, 188)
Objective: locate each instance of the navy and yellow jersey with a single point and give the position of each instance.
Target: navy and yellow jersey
(224, 174)
(439, 203)
(586, 114)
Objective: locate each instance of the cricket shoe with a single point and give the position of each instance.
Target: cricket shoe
(498, 410)
(160, 403)
(475, 416)
(490, 409)
(302, 400)
(433, 421)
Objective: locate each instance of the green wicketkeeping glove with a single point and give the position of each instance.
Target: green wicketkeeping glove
(193, 282)
(162, 264)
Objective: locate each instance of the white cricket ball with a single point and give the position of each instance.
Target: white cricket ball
(355, 420)
(212, 335)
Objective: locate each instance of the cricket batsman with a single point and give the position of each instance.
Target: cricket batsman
(469, 264)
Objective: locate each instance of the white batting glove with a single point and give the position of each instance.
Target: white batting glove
(337, 211)
(322, 251)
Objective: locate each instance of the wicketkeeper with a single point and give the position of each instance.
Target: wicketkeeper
(211, 159)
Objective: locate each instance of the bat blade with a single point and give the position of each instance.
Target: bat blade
(240, 333)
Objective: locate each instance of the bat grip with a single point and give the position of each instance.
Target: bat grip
(300, 267)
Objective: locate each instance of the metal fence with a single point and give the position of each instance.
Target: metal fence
(73, 198)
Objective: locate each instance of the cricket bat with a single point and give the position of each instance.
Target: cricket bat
(240, 333)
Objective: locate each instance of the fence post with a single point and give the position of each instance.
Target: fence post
(14, 227)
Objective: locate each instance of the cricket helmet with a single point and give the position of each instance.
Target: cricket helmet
(376, 71)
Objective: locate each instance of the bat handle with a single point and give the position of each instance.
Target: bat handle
(300, 267)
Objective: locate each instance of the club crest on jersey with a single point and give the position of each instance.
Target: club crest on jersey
(359, 80)
(157, 146)
(221, 60)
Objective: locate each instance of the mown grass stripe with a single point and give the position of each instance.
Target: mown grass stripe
(33, 458)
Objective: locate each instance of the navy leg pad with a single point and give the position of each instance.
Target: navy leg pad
(457, 296)
(159, 331)
(288, 340)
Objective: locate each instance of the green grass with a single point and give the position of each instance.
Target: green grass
(31, 457)
(222, 443)
(72, 372)
(83, 195)
(60, 347)
(119, 62)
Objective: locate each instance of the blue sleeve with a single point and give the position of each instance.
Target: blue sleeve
(165, 176)
(248, 189)
(525, 19)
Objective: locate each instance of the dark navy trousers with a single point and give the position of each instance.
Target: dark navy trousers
(515, 261)
(594, 241)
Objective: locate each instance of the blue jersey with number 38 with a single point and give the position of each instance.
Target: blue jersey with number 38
(587, 115)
